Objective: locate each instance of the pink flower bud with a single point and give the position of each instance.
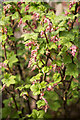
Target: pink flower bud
(42, 32)
(42, 94)
(3, 87)
(45, 20)
(66, 13)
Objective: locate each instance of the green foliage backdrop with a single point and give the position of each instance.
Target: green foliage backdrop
(41, 64)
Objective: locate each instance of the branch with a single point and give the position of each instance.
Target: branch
(6, 58)
(46, 37)
(13, 96)
(31, 27)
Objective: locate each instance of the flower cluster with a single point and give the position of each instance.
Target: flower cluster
(73, 50)
(3, 87)
(33, 57)
(5, 30)
(35, 16)
(48, 29)
(46, 106)
(2, 65)
(51, 87)
(6, 7)
(20, 22)
(54, 39)
(47, 52)
(42, 33)
(46, 20)
(56, 68)
(66, 13)
(71, 4)
(30, 43)
(26, 8)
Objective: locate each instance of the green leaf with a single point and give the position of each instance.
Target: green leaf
(6, 61)
(72, 69)
(8, 80)
(36, 89)
(37, 77)
(37, 114)
(15, 16)
(3, 37)
(1, 22)
(27, 86)
(57, 77)
(45, 69)
(6, 111)
(26, 17)
(12, 60)
(40, 63)
(67, 59)
(32, 9)
(43, 84)
(40, 103)
(52, 45)
(25, 93)
(66, 36)
(74, 84)
(73, 7)
(53, 102)
(30, 36)
(20, 87)
(56, 106)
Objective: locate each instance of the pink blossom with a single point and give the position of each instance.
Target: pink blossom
(45, 100)
(3, 87)
(68, 22)
(57, 28)
(54, 67)
(35, 66)
(41, 22)
(46, 107)
(50, 24)
(42, 94)
(52, 30)
(5, 30)
(45, 20)
(73, 48)
(30, 43)
(73, 2)
(47, 52)
(73, 53)
(3, 65)
(42, 32)
(30, 62)
(48, 29)
(35, 16)
(54, 37)
(33, 52)
(6, 7)
(66, 13)
(59, 46)
(49, 88)
(26, 8)
(29, 48)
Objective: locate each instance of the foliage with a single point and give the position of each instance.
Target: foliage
(43, 60)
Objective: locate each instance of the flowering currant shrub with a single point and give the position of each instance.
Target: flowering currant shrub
(40, 65)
